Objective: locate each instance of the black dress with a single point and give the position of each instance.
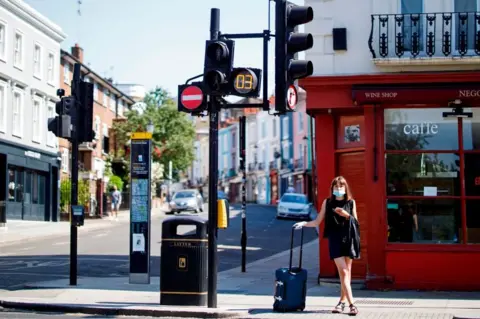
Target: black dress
(337, 229)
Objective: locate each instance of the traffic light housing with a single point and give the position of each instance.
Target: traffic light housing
(218, 66)
(245, 82)
(288, 43)
(60, 126)
(85, 132)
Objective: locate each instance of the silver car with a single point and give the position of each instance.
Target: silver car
(293, 205)
(186, 200)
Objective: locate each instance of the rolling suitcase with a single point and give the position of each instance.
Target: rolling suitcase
(291, 284)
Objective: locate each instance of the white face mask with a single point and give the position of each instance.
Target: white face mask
(339, 191)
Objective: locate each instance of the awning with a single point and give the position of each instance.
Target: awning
(416, 94)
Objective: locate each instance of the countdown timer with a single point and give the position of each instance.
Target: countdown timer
(245, 81)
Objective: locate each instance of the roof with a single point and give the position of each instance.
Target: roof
(96, 76)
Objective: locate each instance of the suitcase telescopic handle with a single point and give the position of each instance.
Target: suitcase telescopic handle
(291, 249)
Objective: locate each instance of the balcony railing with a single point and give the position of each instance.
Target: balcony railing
(445, 34)
(272, 165)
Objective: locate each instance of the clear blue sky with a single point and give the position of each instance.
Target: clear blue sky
(157, 42)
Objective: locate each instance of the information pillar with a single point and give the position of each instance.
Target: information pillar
(140, 207)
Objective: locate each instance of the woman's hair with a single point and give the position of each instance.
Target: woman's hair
(340, 180)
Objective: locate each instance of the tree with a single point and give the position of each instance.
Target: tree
(174, 133)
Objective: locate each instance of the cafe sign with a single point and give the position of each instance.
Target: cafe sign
(412, 95)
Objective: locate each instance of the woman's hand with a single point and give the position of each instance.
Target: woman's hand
(342, 212)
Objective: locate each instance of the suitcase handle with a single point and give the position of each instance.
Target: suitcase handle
(291, 249)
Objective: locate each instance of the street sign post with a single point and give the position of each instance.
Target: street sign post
(140, 207)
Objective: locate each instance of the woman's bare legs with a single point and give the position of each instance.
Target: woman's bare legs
(344, 269)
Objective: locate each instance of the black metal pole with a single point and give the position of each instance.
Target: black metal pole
(266, 38)
(74, 182)
(243, 164)
(213, 180)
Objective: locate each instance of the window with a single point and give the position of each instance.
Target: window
(225, 162)
(252, 132)
(3, 106)
(225, 143)
(51, 68)
(300, 121)
(465, 30)
(36, 119)
(120, 107)
(65, 160)
(105, 141)
(95, 91)
(425, 171)
(285, 127)
(112, 103)
(17, 122)
(105, 97)
(18, 51)
(97, 127)
(50, 114)
(37, 61)
(3, 41)
(66, 73)
(274, 128)
(410, 9)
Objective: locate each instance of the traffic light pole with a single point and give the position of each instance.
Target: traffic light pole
(243, 164)
(213, 180)
(74, 178)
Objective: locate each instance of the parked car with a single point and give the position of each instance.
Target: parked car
(293, 205)
(186, 200)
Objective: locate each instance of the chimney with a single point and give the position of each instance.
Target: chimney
(77, 52)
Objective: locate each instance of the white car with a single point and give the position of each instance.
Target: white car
(293, 205)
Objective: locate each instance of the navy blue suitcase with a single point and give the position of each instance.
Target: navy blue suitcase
(291, 284)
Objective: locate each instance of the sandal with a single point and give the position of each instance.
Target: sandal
(339, 307)
(353, 310)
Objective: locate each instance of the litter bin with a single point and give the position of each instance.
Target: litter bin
(183, 263)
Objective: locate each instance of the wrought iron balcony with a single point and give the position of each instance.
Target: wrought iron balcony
(425, 35)
(273, 165)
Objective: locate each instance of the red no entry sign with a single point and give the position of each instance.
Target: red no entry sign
(292, 97)
(191, 97)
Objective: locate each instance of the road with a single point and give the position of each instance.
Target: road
(104, 252)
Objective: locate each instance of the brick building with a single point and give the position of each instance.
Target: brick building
(109, 104)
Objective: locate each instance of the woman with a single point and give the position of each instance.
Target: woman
(340, 214)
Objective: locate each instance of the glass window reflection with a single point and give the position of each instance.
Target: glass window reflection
(471, 130)
(473, 221)
(420, 129)
(410, 174)
(424, 221)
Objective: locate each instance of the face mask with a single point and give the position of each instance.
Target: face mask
(339, 192)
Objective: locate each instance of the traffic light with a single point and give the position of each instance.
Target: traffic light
(245, 82)
(218, 65)
(85, 132)
(60, 125)
(288, 43)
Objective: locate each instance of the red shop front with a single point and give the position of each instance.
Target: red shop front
(414, 170)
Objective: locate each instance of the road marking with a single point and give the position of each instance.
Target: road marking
(100, 235)
(61, 243)
(33, 274)
(26, 248)
(237, 247)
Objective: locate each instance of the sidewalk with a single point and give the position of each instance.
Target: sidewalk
(22, 230)
(240, 295)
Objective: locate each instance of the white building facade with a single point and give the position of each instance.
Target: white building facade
(29, 79)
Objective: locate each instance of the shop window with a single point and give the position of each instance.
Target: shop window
(11, 185)
(28, 188)
(420, 129)
(472, 174)
(471, 130)
(473, 221)
(423, 174)
(424, 221)
(350, 132)
(19, 185)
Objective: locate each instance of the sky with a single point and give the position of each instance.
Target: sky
(158, 42)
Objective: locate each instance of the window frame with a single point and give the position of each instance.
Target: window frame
(19, 64)
(462, 198)
(36, 125)
(19, 127)
(3, 53)
(4, 107)
(66, 73)
(65, 160)
(51, 70)
(38, 74)
(50, 141)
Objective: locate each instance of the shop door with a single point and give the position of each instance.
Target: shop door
(15, 192)
(352, 167)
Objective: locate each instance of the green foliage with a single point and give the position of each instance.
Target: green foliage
(65, 194)
(174, 133)
(115, 181)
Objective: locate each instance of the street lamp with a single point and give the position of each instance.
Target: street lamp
(150, 127)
